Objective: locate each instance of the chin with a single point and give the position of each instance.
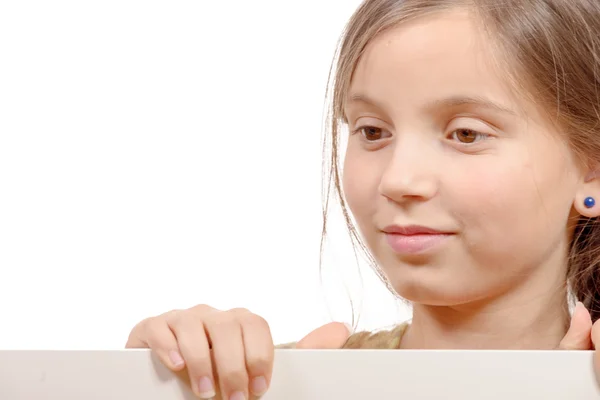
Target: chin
(432, 290)
(429, 297)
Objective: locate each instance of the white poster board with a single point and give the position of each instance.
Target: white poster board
(311, 375)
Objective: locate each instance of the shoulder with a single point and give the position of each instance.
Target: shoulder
(290, 345)
(382, 339)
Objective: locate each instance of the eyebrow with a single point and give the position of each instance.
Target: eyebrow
(475, 101)
(454, 101)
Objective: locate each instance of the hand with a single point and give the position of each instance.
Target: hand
(579, 335)
(230, 352)
(583, 335)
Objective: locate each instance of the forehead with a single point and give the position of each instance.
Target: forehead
(438, 56)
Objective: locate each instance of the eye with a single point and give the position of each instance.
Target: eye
(371, 133)
(468, 136)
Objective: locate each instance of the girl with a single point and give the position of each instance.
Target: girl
(472, 173)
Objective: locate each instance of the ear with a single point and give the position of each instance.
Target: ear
(587, 198)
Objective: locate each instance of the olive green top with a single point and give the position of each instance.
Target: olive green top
(385, 339)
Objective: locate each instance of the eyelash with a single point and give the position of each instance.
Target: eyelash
(481, 135)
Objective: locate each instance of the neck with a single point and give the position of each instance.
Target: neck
(538, 322)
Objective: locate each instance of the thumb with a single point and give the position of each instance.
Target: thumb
(579, 335)
(329, 336)
(596, 344)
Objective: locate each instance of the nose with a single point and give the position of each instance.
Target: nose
(410, 173)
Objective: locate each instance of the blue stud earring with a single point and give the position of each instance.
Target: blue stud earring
(590, 202)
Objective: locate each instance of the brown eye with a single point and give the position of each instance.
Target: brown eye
(466, 135)
(371, 133)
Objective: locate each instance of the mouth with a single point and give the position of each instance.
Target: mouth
(414, 239)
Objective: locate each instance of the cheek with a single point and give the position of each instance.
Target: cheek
(480, 202)
(511, 210)
(360, 183)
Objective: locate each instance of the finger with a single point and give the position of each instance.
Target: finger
(154, 334)
(578, 336)
(596, 334)
(225, 333)
(195, 350)
(329, 336)
(595, 343)
(259, 350)
(135, 341)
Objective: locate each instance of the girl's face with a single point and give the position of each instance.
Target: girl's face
(462, 191)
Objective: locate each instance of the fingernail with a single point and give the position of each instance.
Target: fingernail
(205, 388)
(259, 386)
(237, 396)
(176, 358)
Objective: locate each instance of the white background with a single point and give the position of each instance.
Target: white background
(156, 155)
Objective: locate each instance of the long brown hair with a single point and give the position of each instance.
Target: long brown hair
(551, 52)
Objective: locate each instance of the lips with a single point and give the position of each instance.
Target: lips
(414, 239)
(411, 230)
